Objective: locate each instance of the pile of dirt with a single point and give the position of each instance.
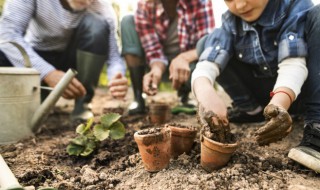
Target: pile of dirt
(42, 161)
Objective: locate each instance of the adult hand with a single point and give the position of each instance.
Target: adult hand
(179, 71)
(118, 86)
(153, 78)
(73, 90)
(279, 125)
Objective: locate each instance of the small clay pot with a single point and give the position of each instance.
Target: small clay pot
(182, 139)
(154, 148)
(215, 155)
(159, 113)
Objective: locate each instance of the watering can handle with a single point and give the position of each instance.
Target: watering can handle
(27, 62)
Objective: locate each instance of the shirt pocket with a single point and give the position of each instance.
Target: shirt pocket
(245, 51)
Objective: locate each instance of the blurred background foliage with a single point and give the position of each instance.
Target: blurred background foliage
(1, 5)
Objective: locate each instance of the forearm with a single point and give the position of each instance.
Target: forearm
(291, 75)
(115, 63)
(14, 21)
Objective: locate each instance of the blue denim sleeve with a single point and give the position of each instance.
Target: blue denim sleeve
(292, 40)
(218, 48)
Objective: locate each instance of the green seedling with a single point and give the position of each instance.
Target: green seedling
(91, 134)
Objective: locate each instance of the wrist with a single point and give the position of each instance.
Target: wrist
(158, 67)
(188, 56)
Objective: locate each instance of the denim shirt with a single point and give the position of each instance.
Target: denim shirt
(276, 35)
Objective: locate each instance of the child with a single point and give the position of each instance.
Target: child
(264, 48)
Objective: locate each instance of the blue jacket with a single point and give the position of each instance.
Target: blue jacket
(276, 35)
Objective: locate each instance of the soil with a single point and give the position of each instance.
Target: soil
(42, 161)
(190, 127)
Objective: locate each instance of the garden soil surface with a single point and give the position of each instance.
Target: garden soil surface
(42, 160)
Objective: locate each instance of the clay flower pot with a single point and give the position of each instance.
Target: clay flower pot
(159, 113)
(154, 148)
(215, 155)
(182, 138)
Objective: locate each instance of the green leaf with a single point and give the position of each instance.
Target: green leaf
(80, 129)
(74, 149)
(117, 130)
(80, 140)
(100, 132)
(108, 119)
(89, 148)
(83, 128)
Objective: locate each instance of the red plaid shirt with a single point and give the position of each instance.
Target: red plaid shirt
(195, 19)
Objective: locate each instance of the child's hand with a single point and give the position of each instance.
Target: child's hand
(279, 125)
(212, 124)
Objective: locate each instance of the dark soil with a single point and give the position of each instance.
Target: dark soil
(178, 125)
(42, 161)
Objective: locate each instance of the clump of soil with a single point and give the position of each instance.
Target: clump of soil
(215, 129)
(150, 131)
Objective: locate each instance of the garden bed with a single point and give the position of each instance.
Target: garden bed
(42, 161)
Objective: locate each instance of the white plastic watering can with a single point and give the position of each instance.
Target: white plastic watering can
(20, 110)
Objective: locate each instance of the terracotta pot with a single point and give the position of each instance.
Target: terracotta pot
(182, 139)
(159, 113)
(155, 148)
(215, 155)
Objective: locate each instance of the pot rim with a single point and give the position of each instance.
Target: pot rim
(225, 145)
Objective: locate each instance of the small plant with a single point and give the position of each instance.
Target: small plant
(91, 134)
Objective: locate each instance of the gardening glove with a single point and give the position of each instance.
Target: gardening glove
(279, 125)
(212, 126)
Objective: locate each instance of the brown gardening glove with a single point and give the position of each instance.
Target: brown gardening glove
(212, 126)
(279, 125)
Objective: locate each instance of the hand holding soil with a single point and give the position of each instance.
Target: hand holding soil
(213, 126)
(279, 125)
(150, 82)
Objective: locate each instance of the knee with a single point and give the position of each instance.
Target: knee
(200, 45)
(127, 22)
(95, 28)
(313, 15)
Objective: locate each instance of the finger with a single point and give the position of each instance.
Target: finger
(277, 132)
(123, 89)
(74, 90)
(78, 85)
(271, 111)
(267, 141)
(269, 126)
(117, 82)
(117, 76)
(67, 94)
(273, 138)
(118, 95)
(146, 83)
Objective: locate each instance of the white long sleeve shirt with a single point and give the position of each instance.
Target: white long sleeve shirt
(45, 25)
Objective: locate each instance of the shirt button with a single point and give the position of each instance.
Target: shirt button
(217, 47)
(275, 43)
(291, 37)
(265, 68)
(240, 55)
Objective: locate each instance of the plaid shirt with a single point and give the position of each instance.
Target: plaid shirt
(195, 19)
